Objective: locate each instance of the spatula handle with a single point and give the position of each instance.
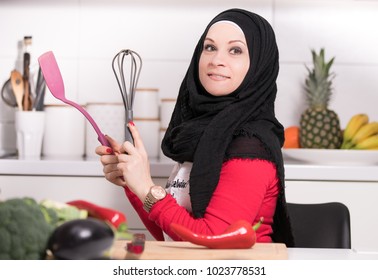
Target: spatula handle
(101, 138)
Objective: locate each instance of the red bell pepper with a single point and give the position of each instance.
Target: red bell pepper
(114, 217)
(240, 235)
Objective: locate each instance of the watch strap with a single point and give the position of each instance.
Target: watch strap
(150, 199)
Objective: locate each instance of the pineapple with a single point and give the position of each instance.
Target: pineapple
(319, 126)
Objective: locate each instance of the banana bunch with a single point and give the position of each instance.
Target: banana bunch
(360, 134)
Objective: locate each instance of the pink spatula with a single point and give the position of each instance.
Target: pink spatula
(54, 82)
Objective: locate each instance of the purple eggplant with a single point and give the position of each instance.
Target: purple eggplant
(81, 239)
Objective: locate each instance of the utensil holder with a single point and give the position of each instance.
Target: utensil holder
(30, 128)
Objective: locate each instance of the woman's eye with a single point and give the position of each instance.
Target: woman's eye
(209, 48)
(236, 50)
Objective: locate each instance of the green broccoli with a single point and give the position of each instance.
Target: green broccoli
(24, 232)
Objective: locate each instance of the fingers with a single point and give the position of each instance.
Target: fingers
(127, 148)
(111, 171)
(114, 144)
(115, 178)
(109, 160)
(113, 149)
(138, 143)
(103, 150)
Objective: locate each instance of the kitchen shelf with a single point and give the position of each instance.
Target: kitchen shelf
(72, 168)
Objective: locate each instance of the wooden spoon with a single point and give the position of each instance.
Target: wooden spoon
(17, 87)
(27, 102)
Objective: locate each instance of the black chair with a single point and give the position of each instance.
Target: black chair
(323, 225)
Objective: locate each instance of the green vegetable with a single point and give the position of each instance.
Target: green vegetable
(57, 213)
(24, 232)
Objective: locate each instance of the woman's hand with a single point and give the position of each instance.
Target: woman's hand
(109, 161)
(134, 165)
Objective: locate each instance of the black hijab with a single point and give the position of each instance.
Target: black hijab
(203, 126)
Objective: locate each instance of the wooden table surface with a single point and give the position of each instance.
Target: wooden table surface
(170, 250)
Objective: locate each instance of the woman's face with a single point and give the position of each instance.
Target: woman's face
(224, 61)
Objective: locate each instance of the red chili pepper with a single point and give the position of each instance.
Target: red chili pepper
(240, 235)
(116, 218)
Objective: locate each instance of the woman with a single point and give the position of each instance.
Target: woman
(224, 136)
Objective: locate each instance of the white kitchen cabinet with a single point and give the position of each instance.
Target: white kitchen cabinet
(355, 186)
(66, 188)
(360, 197)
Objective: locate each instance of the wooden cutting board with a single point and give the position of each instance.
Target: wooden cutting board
(170, 250)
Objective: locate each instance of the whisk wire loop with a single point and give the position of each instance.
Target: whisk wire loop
(128, 94)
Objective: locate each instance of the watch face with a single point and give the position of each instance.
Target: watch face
(158, 192)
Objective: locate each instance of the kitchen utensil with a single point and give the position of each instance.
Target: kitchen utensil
(40, 90)
(7, 94)
(18, 88)
(128, 94)
(27, 101)
(54, 82)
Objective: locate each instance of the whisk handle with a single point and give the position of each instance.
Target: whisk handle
(129, 118)
(128, 136)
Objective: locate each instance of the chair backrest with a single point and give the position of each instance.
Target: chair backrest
(323, 225)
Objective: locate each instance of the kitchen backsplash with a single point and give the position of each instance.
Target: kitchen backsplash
(86, 34)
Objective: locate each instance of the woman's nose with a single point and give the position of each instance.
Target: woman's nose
(217, 59)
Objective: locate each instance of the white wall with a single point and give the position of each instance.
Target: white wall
(86, 34)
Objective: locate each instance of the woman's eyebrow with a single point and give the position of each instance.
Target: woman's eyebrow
(230, 42)
(237, 41)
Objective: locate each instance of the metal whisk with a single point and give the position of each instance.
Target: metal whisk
(128, 93)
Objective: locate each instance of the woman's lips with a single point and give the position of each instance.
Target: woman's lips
(217, 77)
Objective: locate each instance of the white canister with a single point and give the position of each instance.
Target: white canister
(149, 131)
(167, 106)
(146, 103)
(110, 118)
(64, 133)
(162, 157)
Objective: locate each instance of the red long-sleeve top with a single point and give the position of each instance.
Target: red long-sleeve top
(247, 190)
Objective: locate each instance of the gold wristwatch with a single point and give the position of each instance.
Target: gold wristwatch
(155, 194)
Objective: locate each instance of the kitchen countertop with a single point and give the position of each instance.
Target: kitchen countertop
(93, 168)
(170, 250)
(330, 254)
(173, 250)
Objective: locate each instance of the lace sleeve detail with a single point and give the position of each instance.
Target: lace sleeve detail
(247, 147)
